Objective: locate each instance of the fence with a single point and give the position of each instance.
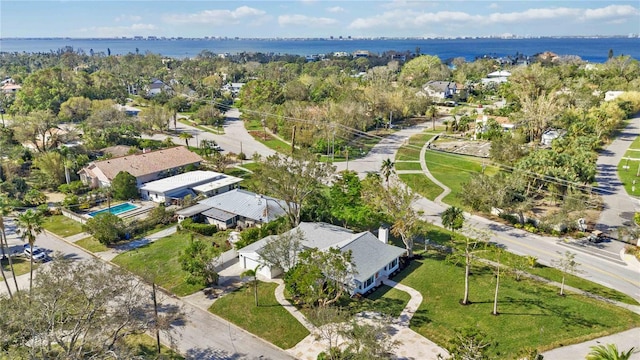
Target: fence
(71, 215)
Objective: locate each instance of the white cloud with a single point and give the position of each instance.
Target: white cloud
(611, 12)
(403, 18)
(303, 20)
(132, 18)
(216, 17)
(336, 9)
(494, 6)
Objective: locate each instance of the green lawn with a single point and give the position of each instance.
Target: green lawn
(627, 176)
(531, 314)
(412, 150)
(160, 259)
(91, 244)
(408, 166)
(146, 347)
(62, 225)
(455, 170)
(20, 265)
(385, 300)
(269, 320)
(422, 185)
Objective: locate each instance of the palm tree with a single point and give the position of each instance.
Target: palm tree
(186, 136)
(30, 223)
(608, 352)
(387, 169)
(452, 218)
(253, 273)
(5, 209)
(432, 113)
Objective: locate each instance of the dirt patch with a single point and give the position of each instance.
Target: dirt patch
(54, 197)
(462, 146)
(261, 135)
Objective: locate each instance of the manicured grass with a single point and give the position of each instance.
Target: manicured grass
(20, 265)
(146, 347)
(422, 185)
(91, 244)
(385, 300)
(160, 260)
(454, 171)
(62, 225)
(627, 176)
(531, 314)
(411, 151)
(269, 320)
(408, 166)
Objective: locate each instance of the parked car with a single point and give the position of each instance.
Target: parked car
(37, 253)
(596, 236)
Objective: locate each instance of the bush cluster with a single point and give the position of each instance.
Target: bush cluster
(202, 229)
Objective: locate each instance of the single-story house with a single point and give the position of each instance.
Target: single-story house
(440, 89)
(175, 188)
(156, 87)
(145, 167)
(496, 77)
(236, 207)
(373, 258)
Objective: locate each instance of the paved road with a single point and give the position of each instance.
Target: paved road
(203, 335)
(235, 138)
(619, 207)
(602, 264)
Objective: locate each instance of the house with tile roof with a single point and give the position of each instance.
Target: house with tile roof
(235, 208)
(145, 167)
(374, 259)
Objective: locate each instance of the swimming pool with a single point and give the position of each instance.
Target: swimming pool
(116, 209)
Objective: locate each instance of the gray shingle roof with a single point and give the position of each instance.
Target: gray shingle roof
(247, 204)
(369, 254)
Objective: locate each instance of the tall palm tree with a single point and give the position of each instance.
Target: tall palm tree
(30, 223)
(609, 352)
(186, 136)
(5, 209)
(387, 169)
(432, 113)
(253, 273)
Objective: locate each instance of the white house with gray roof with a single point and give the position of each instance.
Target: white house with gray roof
(175, 188)
(236, 208)
(373, 258)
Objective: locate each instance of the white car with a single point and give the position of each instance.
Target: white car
(38, 254)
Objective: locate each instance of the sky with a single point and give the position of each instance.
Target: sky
(316, 18)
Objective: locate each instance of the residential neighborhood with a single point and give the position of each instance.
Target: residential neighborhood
(325, 214)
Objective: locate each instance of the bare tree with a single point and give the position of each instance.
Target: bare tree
(568, 264)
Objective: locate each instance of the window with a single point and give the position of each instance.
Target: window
(393, 264)
(368, 282)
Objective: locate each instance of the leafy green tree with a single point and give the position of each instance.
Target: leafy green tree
(200, 260)
(321, 277)
(155, 118)
(282, 251)
(75, 109)
(125, 186)
(34, 197)
(74, 298)
(292, 179)
(105, 227)
(346, 202)
(609, 352)
(30, 225)
(50, 168)
(432, 113)
(419, 70)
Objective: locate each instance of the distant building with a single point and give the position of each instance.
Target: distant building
(145, 167)
(551, 134)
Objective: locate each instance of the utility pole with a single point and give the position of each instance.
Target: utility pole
(347, 153)
(155, 310)
(390, 119)
(293, 139)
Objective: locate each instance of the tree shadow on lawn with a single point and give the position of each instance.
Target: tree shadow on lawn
(211, 354)
(420, 318)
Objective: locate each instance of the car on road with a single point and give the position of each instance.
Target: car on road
(596, 236)
(37, 253)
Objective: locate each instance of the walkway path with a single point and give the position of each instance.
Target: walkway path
(423, 163)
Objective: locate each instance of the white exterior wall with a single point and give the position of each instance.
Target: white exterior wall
(249, 262)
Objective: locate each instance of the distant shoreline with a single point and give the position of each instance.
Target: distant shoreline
(213, 38)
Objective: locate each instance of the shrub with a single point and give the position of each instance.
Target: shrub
(512, 219)
(202, 229)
